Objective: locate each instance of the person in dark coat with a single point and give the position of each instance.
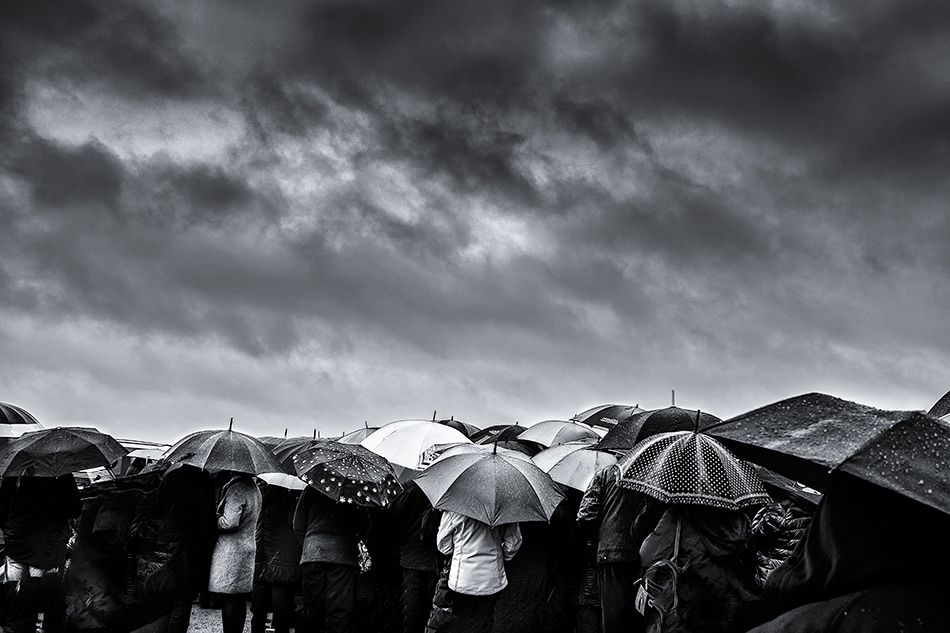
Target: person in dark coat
(276, 573)
(35, 516)
(716, 586)
(329, 561)
(418, 526)
(871, 561)
(187, 529)
(618, 519)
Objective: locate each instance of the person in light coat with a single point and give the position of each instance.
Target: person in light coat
(232, 563)
(477, 554)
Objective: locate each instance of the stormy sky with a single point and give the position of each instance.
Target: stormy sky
(313, 214)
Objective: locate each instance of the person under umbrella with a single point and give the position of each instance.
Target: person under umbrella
(699, 563)
(330, 519)
(276, 574)
(233, 456)
(38, 497)
(484, 494)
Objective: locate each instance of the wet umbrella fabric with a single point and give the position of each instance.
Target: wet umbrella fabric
(357, 436)
(216, 451)
(15, 421)
(685, 467)
(348, 473)
(490, 487)
(638, 427)
(553, 432)
(607, 415)
(403, 443)
(573, 464)
(58, 451)
(498, 433)
(808, 437)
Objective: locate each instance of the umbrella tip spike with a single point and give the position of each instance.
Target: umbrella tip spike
(231, 424)
(696, 423)
(433, 414)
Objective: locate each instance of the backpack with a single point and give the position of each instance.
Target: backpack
(657, 590)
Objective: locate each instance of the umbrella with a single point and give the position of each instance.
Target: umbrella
(15, 421)
(491, 487)
(552, 432)
(942, 407)
(607, 415)
(638, 427)
(283, 480)
(446, 450)
(573, 464)
(224, 450)
(58, 451)
(468, 430)
(404, 442)
(357, 436)
(808, 437)
(348, 473)
(686, 467)
(498, 433)
(285, 451)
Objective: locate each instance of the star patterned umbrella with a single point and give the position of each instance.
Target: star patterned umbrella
(687, 467)
(348, 473)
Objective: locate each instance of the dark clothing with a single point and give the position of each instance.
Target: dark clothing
(276, 598)
(418, 526)
(278, 549)
(617, 592)
(328, 531)
(618, 519)
(46, 595)
(870, 558)
(36, 513)
(716, 584)
(329, 596)
(417, 590)
(476, 614)
(36, 519)
(615, 517)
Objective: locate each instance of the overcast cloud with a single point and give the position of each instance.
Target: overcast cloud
(311, 214)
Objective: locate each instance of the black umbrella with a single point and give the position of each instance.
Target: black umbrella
(808, 437)
(638, 427)
(607, 415)
(216, 451)
(498, 433)
(58, 451)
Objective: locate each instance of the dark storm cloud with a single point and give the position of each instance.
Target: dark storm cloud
(121, 46)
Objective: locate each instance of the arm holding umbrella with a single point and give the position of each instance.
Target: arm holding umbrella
(511, 541)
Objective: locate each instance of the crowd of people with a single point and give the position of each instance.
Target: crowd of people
(137, 553)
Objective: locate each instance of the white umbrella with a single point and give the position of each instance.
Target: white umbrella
(405, 442)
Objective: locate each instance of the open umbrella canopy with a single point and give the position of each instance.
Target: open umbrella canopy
(58, 451)
(607, 415)
(348, 473)
(216, 451)
(466, 429)
(491, 487)
(552, 432)
(498, 433)
(283, 480)
(286, 450)
(685, 467)
(403, 443)
(638, 427)
(573, 464)
(357, 436)
(806, 437)
(15, 421)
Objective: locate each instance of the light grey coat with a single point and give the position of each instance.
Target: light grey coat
(232, 563)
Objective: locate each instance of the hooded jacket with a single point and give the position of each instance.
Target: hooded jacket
(871, 561)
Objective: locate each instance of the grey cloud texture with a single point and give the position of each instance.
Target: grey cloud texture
(324, 213)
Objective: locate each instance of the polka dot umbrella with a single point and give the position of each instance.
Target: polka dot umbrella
(687, 467)
(348, 473)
